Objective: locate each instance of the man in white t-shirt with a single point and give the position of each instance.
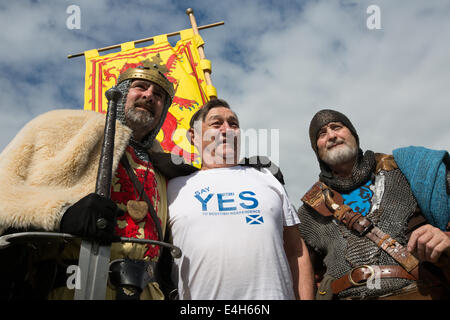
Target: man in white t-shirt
(235, 225)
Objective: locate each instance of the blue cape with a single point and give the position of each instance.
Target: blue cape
(426, 174)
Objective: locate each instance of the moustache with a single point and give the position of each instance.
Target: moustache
(145, 105)
(331, 144)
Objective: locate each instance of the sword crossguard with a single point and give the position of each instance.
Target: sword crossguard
(5, 240)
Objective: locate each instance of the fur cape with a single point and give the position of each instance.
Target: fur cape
(50, 164)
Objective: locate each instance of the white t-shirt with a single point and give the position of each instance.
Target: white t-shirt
(228, 223)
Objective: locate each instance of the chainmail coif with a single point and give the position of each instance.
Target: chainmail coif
(364, 166)
(362, 171)
(324, 117)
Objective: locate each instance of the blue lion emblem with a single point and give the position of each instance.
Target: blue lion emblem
(360, 199)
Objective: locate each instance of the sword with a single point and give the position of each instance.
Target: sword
(94, 258)
(25, 237)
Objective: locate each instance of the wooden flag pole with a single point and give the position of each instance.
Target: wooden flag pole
(146, 39)
(201, 51)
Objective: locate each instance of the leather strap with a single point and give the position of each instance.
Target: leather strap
(321, 198)
(315, 198)
(395, 250)
(137, 184)
(385, 162)
(361, 275)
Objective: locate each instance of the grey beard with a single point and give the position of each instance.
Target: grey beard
(343, 154)
(362, 171)
(138, 120)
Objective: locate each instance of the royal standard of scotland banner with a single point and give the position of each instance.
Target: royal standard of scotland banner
(180, 64)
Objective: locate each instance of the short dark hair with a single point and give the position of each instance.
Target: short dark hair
(203, 111)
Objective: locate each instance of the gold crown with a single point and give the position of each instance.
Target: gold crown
(150, 74)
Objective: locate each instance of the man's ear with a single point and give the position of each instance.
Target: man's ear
(190, 135)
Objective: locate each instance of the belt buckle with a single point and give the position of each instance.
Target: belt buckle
(372, 275)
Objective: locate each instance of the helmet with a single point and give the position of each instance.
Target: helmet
(151, 74)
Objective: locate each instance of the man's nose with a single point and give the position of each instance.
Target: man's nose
(225, 127)
(148, 94)
(331, 134)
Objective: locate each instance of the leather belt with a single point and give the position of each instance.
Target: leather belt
(361, 275)
(328, 202)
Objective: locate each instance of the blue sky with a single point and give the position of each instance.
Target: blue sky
(276, 62)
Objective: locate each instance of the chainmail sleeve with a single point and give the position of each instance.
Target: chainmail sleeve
(311, 228)
(325, 237)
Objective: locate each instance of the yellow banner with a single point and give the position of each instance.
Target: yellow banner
(181, 65)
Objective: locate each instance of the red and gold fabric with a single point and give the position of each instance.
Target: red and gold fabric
(129, 226)
(181, 64)
(122, 191)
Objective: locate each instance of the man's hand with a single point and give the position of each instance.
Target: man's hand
(428, 243)
(92, 217)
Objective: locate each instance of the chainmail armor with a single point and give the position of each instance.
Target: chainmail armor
(344, 250)
(361, 172)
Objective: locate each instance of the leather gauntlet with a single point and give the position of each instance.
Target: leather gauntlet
(92, 217)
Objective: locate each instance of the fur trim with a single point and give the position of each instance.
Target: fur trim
(51, 164)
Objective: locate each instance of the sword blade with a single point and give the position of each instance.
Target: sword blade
(94, 258)
(94, 269)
